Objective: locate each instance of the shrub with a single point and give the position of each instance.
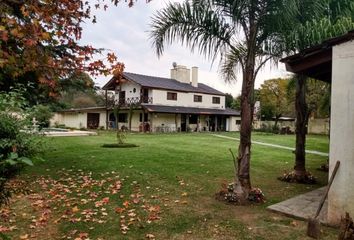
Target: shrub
(16, 145)
(268, 128)
(42, 114)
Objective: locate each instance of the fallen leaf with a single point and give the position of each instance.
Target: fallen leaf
(75, 209)
(150, 236)
(119, 210)
(126, 204)
(24, 236)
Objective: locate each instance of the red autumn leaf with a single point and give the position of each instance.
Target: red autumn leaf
(126, 204)
(119, 210)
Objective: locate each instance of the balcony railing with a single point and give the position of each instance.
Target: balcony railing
(134, 101)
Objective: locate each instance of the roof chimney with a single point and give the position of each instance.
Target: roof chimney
(194, 77)
(181, 74)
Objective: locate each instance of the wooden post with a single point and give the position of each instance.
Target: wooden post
(198, 123)
(151, 122)
(106, 97)
(187, 123)
(216, 123)
(176, 123)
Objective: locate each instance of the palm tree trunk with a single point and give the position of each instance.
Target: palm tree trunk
(301, 128)
(244, 152)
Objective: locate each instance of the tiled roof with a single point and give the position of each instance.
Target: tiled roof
(190, 110)
(163, 83)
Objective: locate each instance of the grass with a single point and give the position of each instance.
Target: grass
(173, 179)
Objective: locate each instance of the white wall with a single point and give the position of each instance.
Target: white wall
(128, 87)
(341, 195)
(233, 127)
(318, 126)
(163, 119)
(76, 119)
(186, 99)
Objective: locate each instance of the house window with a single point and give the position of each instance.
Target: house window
(216, 100)
(171, 96)
(122, 117)
(238, 122)
(197, 98)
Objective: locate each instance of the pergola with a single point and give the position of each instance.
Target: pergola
(333, 62)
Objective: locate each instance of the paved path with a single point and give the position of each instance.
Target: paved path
(70, 133)
(273, 145)
(303, 206)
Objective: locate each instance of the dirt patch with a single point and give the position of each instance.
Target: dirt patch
(121, 145)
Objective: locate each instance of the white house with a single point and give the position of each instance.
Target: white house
(149, 103)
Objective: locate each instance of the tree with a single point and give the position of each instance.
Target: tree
(40, 42)
(77, 91)
(243, 33)
(315, 22)
(236, 103)
(229, 99)
(274, 101)
(317, 96)
(232, 102)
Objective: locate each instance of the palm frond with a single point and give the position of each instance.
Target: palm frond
(194, 25)
(232, 62)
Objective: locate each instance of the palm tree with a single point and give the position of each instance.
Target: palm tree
(243, 33)
(317, 20)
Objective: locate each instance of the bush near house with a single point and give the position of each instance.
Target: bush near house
(42, 114)
(16, 145)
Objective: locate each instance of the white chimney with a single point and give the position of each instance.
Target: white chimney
(181, 74)
(194, 77)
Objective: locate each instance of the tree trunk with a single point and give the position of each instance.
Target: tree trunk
(244, 151)
(243, 189)
(277, 117)
(301, 125)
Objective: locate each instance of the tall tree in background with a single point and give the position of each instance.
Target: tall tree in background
(229, 99)
(243, 33)
(273, 95)
(316, 21)
(77, 91)
(317, 96)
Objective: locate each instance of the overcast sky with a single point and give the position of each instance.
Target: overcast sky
(124, 30)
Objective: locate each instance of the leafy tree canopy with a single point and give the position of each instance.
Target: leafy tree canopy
(273, 97)
(39, 42)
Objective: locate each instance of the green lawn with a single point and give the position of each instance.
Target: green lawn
(166, 189)
(313, 142)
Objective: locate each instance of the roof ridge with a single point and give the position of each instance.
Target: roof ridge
(150, 76)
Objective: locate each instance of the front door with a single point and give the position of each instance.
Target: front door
(93, 120)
